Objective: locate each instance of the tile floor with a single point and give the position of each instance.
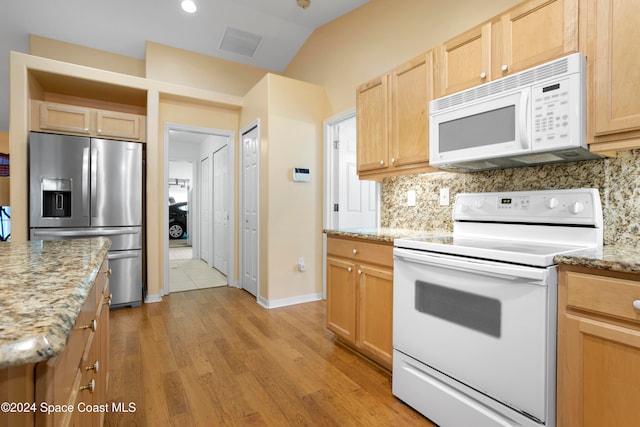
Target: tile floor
(187, 274)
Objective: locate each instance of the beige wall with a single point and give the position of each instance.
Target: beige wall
(179, 66)
(377, 37)
(75, 54)
(291, 114)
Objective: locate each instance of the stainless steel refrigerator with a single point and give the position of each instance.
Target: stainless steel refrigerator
(88, 187)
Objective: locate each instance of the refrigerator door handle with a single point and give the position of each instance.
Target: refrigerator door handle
(84, 232)
(123, 254)
(85, 181)
(94, 180)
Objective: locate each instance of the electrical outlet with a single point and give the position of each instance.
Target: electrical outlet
(444, 197)
(411, 198)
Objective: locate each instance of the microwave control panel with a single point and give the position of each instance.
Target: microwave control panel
(555, 111)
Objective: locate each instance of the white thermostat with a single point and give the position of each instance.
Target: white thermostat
(301, 175)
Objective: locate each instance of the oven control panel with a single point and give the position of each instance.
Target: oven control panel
(572, 206)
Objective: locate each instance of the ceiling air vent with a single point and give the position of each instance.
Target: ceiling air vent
(240, 42)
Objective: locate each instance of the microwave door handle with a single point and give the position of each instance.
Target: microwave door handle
(524, 109)
(85, 181)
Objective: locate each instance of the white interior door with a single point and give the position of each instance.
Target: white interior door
(250, 147)
(205, 209)
(357, 199)
(220, 210)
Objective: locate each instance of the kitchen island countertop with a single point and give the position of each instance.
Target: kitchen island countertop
(382, 234)
(43, 285)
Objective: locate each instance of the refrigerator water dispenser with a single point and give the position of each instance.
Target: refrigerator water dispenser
(56, 198)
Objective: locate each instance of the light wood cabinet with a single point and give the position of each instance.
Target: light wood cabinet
(613, 75)
(74, 380)
(598, 348)
(393, 121)
(464, 61)
(529, 34)
(76, 120)
(532, 33)
(360, 296)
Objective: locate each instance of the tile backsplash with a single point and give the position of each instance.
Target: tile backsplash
(618, 180)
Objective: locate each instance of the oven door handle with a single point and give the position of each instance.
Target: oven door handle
(487, 268)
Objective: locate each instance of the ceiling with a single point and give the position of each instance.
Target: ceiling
(123, 27)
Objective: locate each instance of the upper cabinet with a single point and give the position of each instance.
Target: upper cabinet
(464, 61)
(533, 33)
(529, 34)
(78, 120)
(393, 120)
(613, 74)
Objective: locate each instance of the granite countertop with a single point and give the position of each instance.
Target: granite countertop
(43, 285)
(382, 234)
(617, 257)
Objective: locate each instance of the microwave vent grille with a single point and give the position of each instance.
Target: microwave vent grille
(502, 85)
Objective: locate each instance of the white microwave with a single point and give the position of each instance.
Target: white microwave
(531, 117)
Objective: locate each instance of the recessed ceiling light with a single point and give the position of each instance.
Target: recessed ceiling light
(189, 6)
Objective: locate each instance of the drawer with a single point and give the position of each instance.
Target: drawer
(359, 251)
(606, 295)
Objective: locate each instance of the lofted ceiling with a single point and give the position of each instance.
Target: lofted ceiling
(278, 28)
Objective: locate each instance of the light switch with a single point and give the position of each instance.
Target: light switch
(444, 197)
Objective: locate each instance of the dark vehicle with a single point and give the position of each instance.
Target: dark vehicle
(178, 220)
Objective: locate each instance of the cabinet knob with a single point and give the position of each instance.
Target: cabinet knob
(91, 386)
(393, 160)
(636, 304)
(349, 269)
(108, 272)
(504, 67)
(359, 271)
(107, 300)
(93, 325)
(381, 162)
(99, 130)
(94, 367)
(355, 251)
(483, 75)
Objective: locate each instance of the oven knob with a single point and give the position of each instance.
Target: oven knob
(551, 203)
(576, 208)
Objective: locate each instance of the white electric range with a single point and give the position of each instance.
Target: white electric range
(474, 326)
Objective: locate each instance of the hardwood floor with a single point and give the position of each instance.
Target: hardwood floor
(214, 357)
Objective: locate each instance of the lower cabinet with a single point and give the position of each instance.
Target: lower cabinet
(360, 296)
(69, 389)
(598, 349)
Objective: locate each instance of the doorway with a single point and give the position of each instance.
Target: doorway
(349, 201)
(197, 147)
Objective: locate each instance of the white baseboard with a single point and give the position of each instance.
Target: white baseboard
(152, 298)
(289, 301)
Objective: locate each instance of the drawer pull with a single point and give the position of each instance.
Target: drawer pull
(93, 325)
(636, 304)
(355, 251)
(108, 272)
(91, 386)
(95, 367)
(107, 300)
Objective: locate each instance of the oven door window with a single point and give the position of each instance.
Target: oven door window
(467, 309)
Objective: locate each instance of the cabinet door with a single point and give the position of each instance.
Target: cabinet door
(598, 379)
(533, 33)
(112, 124)
(375, 312)
(412, 89)
(617, 66)
(64, 118)
(341, 298)
(372, 123)
(464, 61)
